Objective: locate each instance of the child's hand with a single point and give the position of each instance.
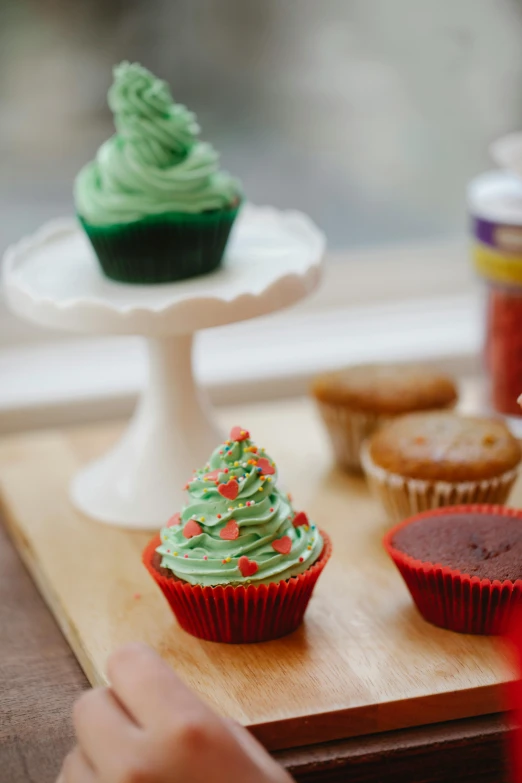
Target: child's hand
(148, 727)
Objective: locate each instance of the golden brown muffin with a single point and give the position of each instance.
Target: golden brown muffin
(444, 446)
(386, 390)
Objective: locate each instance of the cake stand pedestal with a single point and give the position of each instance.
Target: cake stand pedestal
(273, 260)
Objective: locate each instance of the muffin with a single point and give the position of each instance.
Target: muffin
(462, 565)
(427, 460)
(238, 564)
(355, 401)
(153, 203)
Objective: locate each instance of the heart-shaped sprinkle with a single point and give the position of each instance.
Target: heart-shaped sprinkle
(238, 433)
(175, 520)
(231, 531)
(229, 490)
(191, 529)
(266, 466)
(213, 475)
(282, 545)
(247, 567)
(300, 519)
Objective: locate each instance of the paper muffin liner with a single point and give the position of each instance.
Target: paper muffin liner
(451, 599)
(348, 430)
(241, 614)
(402, 496)
(162, 248)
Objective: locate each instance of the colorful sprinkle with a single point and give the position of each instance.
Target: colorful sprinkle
(309, 547)
(174, 520)
(282, 545)
(247, 567)
(238, 433)
(230, 532)
(218, 516)
(137, 596)
(229, 490)
(192, 529)
(205, 557)
(301, 559)
(175, 554)
(266, 466)
(186, 556)
(300, 519)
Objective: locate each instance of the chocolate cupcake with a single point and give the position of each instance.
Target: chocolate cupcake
(428, 460)
(355, 401)
(462, 565)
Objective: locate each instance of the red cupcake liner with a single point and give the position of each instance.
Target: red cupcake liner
(449, 598)
(242, 614)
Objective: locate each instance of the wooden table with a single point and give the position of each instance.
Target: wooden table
(40, 678)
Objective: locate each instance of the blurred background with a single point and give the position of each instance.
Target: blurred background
(371, 115)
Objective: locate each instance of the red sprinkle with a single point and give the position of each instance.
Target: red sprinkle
(282, 545)
(230, 490)
(301, 559)
(205, 557)
(137, 596)
(238, 433)
(300, 519)
(174, 520)
(192, 528)
(218, 516)
(185, 555)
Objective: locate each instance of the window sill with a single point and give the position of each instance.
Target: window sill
(68, 381)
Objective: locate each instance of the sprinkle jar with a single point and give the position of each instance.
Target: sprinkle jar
(495, 208)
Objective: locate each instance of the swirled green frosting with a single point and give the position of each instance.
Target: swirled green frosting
(254, 536)
(155, 163)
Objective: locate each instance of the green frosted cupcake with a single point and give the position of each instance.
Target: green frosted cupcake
(154, 203)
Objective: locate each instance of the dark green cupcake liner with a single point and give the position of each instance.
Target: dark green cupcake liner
(162, 248)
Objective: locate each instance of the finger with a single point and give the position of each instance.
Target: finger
(256, 752)
(76, 769)
(149, 689)
(103, 729)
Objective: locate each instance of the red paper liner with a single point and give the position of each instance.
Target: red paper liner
(239, 615)
(453, 600)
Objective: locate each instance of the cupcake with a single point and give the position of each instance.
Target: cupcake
(355, 401)
(153, 203)
(462, 565)
(238, 564)
(427, 460)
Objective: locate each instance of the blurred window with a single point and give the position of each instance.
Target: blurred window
(371, 115)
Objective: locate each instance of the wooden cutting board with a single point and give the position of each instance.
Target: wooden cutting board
(363, 662)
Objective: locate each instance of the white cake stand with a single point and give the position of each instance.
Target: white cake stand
(53, 279)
